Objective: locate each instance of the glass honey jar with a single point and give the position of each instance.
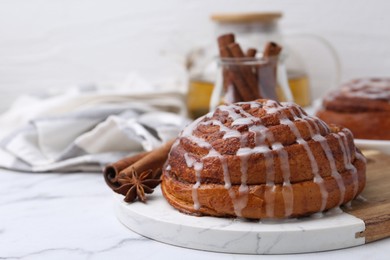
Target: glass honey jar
(251, 30)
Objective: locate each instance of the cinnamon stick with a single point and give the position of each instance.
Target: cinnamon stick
(111, 171)
(152, 160)
(233, 76)
(225, 40)
(245, 71)
(242, 77)
(272, 49)
(228, 84)
(251, 53)
(269, 72)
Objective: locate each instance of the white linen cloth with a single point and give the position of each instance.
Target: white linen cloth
(85, 128)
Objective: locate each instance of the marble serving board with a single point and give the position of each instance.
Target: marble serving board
(367, 219)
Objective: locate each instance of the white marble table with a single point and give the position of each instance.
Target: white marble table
(70, 216)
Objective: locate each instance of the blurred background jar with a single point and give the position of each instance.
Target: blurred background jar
(254, 30)
(245, 79)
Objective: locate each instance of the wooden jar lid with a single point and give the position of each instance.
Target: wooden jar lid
(264, 17)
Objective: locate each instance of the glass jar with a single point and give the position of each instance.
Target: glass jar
(245, 79)
(254, 30)
(301, 75)
(251, 30)
(202, 68)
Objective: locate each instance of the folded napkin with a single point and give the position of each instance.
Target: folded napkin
(85, 128)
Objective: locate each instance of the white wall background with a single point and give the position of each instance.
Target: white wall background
(55, 43)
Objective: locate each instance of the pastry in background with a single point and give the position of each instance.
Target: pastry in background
(262, 159)
(361, 105)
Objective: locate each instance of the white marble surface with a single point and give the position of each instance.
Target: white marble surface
(71, 216)
(320, 232)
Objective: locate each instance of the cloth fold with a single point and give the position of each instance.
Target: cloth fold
(83, 129)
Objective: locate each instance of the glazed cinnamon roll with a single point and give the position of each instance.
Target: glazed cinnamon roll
(262, 159)
(361, 105)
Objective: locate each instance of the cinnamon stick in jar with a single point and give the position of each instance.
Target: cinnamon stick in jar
(241, 78)
(225, 40)
(272, 49)
(251, 53)
(268, 72)
(234, 77)
(245, 71)
(229, 87)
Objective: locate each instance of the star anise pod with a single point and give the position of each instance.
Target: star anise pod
(136, 185)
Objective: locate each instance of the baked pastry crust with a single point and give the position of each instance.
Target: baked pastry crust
(262, 159)
(361, 105)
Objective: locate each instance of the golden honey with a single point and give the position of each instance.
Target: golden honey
(198, 98)
(199, 94)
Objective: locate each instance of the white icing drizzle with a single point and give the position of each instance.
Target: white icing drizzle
(328, 152)
(361, 198)
(244, 154)
(269, 194)
(238, 202)
(335, 174)
(229, 132)
(261, 135)
(334, 211)
(343, 142)
(198, 167)
(242, 121)
(287, 191)
(314, 166)
(360, 157)
(348, 205)
(261, 132)
(368, 88)
(317, 215)
(322, 123)
(225, 170)
(191, 162)
(174, 145)
(231, 112)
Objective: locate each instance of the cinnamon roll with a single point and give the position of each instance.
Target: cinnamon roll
(262, 159)
(361, 105)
